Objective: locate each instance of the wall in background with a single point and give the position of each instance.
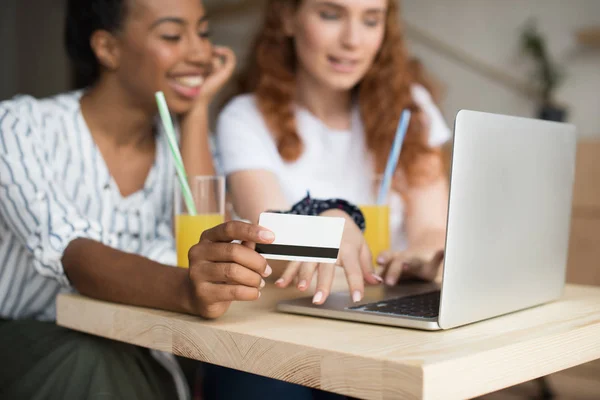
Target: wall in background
(42, 65)
(34, 60)
(489, 30)
(8, 42)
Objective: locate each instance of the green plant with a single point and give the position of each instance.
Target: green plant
(547, 73)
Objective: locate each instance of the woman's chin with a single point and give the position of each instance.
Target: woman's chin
(179, 106)
(341, 83)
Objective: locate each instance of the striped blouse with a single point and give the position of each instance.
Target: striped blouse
(55, 187)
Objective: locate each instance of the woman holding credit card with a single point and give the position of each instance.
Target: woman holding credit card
(86, 205)
(322, 97)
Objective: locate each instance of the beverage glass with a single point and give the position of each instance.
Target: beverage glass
(208, 194)
(377, 219)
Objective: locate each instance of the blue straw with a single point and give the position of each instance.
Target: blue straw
(392, 162)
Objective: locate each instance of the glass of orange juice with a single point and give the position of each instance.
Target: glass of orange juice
(208, 193)
(377, 219)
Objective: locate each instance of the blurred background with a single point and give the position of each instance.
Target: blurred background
(534, 58)
(473, 49)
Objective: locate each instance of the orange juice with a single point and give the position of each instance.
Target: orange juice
(188, 229)
(377, 233)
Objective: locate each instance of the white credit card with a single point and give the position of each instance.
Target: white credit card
(302, 237)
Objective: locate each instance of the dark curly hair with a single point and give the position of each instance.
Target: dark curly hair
(84, 17)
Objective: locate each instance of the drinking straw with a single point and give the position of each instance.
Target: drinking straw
(165, 116)
(392, 161)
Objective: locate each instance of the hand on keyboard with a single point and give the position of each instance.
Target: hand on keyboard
(412, 263)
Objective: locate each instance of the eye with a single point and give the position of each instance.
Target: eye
(205, 34)
(329, 15)
(372, 22)
(171, 38)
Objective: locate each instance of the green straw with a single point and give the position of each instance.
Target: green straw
(165, 116)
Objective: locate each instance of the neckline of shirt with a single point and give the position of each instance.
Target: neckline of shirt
(106, 179)
(355, 123)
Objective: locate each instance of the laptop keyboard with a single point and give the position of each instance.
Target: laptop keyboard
(426, 305)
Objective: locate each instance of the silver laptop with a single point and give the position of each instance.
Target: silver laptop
(507, 232)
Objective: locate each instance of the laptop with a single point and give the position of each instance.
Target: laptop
(507, 230)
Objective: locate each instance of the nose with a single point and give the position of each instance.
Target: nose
(351, 34)
(199, 51)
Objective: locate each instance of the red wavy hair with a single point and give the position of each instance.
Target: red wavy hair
(382, 94)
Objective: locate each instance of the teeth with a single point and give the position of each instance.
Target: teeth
(190, 81)
(342, 61)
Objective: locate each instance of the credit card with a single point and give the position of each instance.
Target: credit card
(302, 237)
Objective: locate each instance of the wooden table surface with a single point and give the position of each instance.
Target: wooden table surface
(362, 360)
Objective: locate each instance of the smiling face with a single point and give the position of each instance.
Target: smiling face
(163, 45)
(336, 41)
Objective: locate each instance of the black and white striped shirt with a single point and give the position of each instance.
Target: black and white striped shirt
(55, 187)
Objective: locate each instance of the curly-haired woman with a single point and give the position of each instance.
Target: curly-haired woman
(325, 86)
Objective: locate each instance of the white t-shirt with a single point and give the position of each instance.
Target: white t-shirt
(334, 163)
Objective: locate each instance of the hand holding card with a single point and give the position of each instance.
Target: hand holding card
(222, 271)
(314, 240)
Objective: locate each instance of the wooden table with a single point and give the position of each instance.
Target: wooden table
(361, 360)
